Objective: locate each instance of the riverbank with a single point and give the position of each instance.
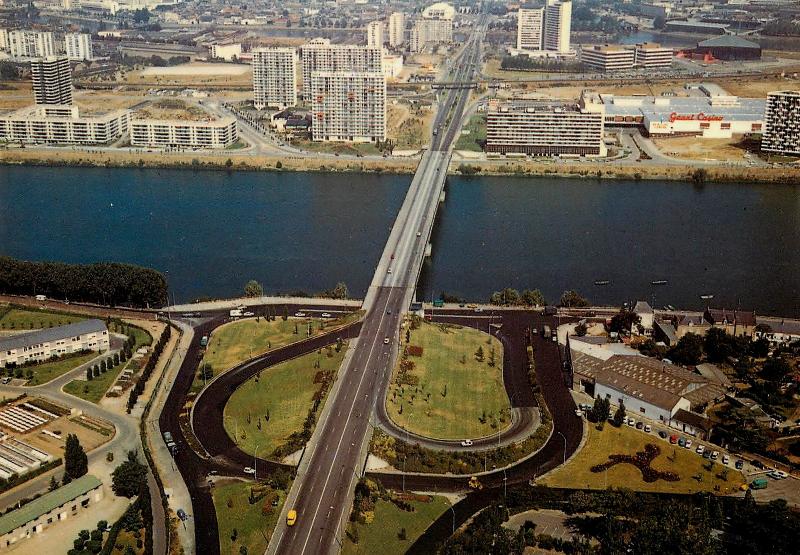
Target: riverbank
(517, 167)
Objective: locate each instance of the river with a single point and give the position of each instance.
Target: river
(210, 232)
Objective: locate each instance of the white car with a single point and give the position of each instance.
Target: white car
(725, 459)
(714, 455)
(466, 443)
(700, 449)
(248, 314)
(326, 315)
(386, 340)
(419, 234)
(631, 422)
(389, 271)
(647, 428)
(300, 314)
(248, 470)
(778, 475)
(688, 443)
(578, 412)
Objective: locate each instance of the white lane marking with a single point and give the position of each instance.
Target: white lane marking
(347, 422)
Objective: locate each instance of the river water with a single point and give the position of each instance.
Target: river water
(210, 232)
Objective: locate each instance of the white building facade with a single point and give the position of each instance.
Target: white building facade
(274, 77)
(31, 44)
(557, 25)
(607, 57)
(216, 134)
(41, 345)
(227, 52)
(435, 26)
(51, 124)
(52, 80)
(397, 29)
(78, 46)
(530, 29)
(782, 123)
(651, 55)
(348, 106)
(321, 55)
(375, 34)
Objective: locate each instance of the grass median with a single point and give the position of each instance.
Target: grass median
(242, 522)
(275, 411)
(448, 383)
(694, 472)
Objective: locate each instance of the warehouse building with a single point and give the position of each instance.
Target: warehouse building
(782, 123)
(544, 130)
(729, 48)
(51, 124)
(216, 134)
(41, 345)
(49, 509)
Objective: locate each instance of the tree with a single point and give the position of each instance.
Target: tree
(581, 329)
(571, 299)
(688, 350)
(253, 289)
(623, 321)
(718, 345)
(89, 374)
(600, 410)
(533, 298)
(506, 297)
(53, 484)
(129, 477)
(479, 354)
(76, 464)
(339, 291)
(619, 416)
(775, 369)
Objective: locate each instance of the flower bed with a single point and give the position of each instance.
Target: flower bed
(642, 461)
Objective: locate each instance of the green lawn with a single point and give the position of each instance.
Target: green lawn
(241, 340)
(287, 392)
(627, 441)
(454, 388)
(43, 373)
(253, 528)
(476, 125)
(20, 319)
(382, 535)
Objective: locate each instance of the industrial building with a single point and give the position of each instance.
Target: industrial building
(52, 80)
(218, 134)
(24, 44)
(274, 77)
(51, 508)
(321, 55)
(434, 26)
(41, 345)
(397, 29)
(544, 130)
(544, 30)
(782, 123)
(729, 48)
(227, 52)
(55, 124)
(375, 34)
(78, 46)
(348, 106)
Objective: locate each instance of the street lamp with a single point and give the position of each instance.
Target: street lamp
(255, 464)
(565, 447)
(454, 518)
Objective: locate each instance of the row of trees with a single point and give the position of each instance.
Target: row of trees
(148, 368)
(511, 297)
(105, 283)
(93, 372)
(254, 289)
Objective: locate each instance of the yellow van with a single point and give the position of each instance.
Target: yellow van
(291, 517)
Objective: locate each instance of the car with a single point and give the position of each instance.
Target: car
(758, 464)
(247, 314)
(300, 314)
(389, 311)
(662, 434)
(631, 422)
(275, 502)
(688, 443)
(739, 464)
(673, 439)
(555, 339)
(681, 442)
(392, 257)
(389, 271)
(385, 340)
(182, 514)
(648, 428)
(700, 449)
(706, 454)
(419, 234)
(778, 475)
(212, 472)
(326, 315)
(478, 309)
(472, 306)
(6, 380)
(249, 470)
(578, 412)
(639, 425)
(714, 455)
(466, 443)
(291, 517)
(725, 459)
(534, 331)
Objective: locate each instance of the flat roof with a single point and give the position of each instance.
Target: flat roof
(51, 334)
(660, 108)
(730, 41)
(47, 502)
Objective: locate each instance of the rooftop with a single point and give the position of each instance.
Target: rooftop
(47, 502)
(51, 334)
(730, 41)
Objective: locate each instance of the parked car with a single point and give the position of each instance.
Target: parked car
(466, 443)
(700, 449)
(706, 454)
(648, 428)
(673, 439)
(681, 442)
(714, 455)
(639, 425)
(300, 314)
(758, 464)
(578, 412)
(249, 470)
(182, 514)
(631, 422)
(725, 459)
(739, 464)
(688, 443)
(662, 434)
(778, 475)
(326, 315)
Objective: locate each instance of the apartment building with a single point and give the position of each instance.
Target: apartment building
(608, 57)
(274, 77)
(653, 55)
(782, 123)
(41, 345)
(530, 29)
(218, 134)
(52, 80)
(397, 29)
(375, 34)
(78, 46)
(435, 26)
(544, 130)
(4, 39)
(321, 55)
(31, 44)
(557, 25)
(348, 106)
(55, 124)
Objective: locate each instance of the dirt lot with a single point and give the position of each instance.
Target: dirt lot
(695, 148)
(173, 108)
(99, 102)
(756, 86)
(192, 75)
(408, 126)
(15, 94)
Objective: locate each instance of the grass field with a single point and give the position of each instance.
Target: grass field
(253, 528)
(43, 373)
(477, 134)
(625, 440)
(285, 391)
(382, 535)
(340, 148)
(19, 319)
(454, 388)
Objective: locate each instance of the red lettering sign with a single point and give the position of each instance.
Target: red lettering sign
(675, 116)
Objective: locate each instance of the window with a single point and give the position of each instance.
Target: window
(85, 503)
(74, 507)
(50, 520)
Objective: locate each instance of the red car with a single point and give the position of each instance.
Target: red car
(673, 439)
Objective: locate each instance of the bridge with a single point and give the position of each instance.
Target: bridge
(335, 456)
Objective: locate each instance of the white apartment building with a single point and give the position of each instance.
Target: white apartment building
(435, 26)
(321, 55)
(54, 124)
(274, 77)
(544, 130)
(219, 133)
(397, 29)
(652, 55)
(608, 57)
(226, 52)
(31, 44)
(4, 39)
(530, 29)
(348, 106)
(41, 345)
(782, 123)
(52, 80)
(78, 46)
(375, 34)
(557, 25)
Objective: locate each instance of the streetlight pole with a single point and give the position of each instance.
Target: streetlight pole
(454, 518)
(255, 463)
(565, 446)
